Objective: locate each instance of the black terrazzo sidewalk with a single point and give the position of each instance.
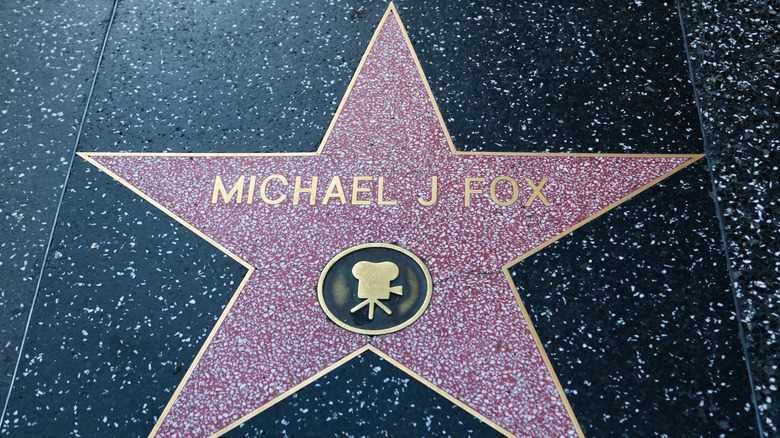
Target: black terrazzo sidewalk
(47, 60)
(735, 58)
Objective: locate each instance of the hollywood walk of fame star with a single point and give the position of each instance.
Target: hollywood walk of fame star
(386, 172)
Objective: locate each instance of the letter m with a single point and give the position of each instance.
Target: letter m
(219, 189)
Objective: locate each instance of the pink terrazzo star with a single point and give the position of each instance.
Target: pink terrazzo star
(474, 343)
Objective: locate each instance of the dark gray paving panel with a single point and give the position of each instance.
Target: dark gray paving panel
(254, 76)
(563, 76)
(365, 397)
(48, 57)
(735, 53)
(637, 315)
(127, 300)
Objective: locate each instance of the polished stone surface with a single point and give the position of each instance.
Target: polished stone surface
(647, 309)
(734, 60)
(122, 311)
(48, 57)
(180, 77)
(366, 396)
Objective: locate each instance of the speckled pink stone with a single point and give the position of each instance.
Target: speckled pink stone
(473, 341)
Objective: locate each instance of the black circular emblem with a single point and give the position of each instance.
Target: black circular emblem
(375, 288)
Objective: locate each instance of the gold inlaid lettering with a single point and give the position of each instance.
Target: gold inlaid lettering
(537, 192)
(251, 195)
(335, 190)
(380, 195)
(470, 191)
(357, 189)
(434, 193)
(264, 185)
(312, 191)
(219, 189)
(374, 285)
(515, 191)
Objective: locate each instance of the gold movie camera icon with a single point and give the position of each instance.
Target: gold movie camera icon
(363, 277)
(374, 285)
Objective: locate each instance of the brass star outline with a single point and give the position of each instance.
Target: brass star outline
(368, 347)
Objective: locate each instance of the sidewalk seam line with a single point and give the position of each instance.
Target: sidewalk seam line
(57, 212)
(721, 225)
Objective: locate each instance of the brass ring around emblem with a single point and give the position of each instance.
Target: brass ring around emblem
(375, 288)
